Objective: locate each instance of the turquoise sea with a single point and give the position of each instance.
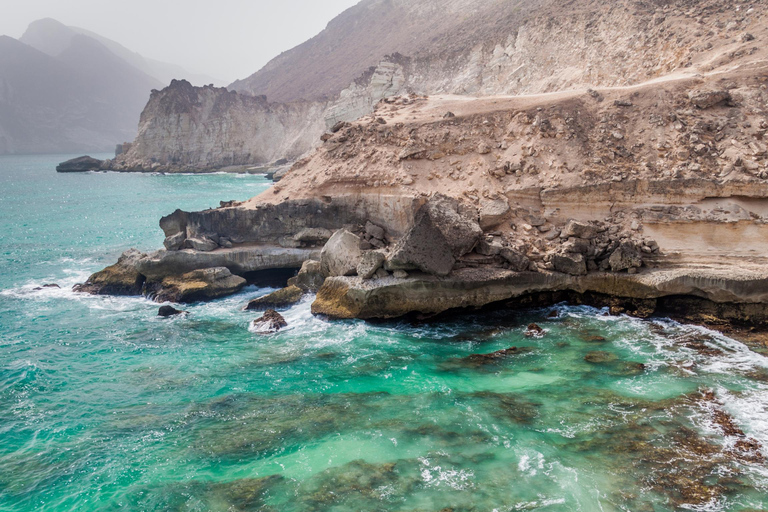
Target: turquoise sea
(106, 407)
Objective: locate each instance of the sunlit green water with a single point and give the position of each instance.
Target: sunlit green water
(103, 406)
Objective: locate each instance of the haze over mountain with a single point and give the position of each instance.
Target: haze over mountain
(65, 89)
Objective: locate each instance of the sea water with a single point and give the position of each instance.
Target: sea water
(105, 406)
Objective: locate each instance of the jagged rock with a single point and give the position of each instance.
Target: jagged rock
(382, 273)
(534, 331)
(517, 261)
(310, 278)
(122, 278)
(492, 212)
(175, 242)
(573, 264)
(487, 248)
(281, 298)
(166, 311)
(412, 151)
(80, 164)
(577, 246)
(370, 262)
(708, 99)
(579, 230)
(341, 254)
(269, 323)
(313, 235)
(438, 236)
(202, 244)
(625, 257)
(198, 285)
(52, 285)
(374, 230)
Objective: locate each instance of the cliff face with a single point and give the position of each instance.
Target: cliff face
(468, 48)
(184, 127)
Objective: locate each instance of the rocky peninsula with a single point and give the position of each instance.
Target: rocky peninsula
(649, 198)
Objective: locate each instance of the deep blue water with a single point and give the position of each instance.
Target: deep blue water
(103, 406)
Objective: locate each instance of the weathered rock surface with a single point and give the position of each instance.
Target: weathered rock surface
(122, 278)
(80, 164)
(310, 278)
(195, 286)
(341, 255)
(370, 262)
(282, 298)
(269, 323)
(438, 236)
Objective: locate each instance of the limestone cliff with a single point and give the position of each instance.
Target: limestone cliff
(381, 49)
(188, 128)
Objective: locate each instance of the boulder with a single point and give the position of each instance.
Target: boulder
(438, 236)
(579, 230)
(122, 278)
(625, 257)
(198, 285)
(492, 212)
(80, 164)
(708, 99)
(175, 242)
(341, 254)
(517, 261)
(166, 311)
(600, 357)
(281, 298)
(269, 323)
(310, 278)
(573, 264)
(487, 248)
(202, 244)
(370, 262)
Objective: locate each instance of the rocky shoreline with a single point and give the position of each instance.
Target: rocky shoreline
(654, 197)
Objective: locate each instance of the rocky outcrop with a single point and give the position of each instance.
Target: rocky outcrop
(269, 323)
(191, 129)
(282, 298)
(122, 278)
(198, 285)
(310, 277)
(80, 164)
(169, 311)
(341, 255)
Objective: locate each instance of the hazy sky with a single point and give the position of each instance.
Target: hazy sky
(227, 39)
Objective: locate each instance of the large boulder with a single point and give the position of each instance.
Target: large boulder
(704, 99)
(569, 263)
(310, 278)
(578, 229)
(625, 257)
(518, 261)
(281, 298)
(80, 164)
(122, 278)
(341, 254)
(439, 235)
(198, 285)
(492, 212)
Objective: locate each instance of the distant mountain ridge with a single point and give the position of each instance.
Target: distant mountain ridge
(66, 90)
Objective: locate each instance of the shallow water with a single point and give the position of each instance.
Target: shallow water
(103, 406)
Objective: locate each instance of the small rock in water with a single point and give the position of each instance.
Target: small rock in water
(166, 311)
(600, 356)
(52, 285)
(534, 331)
(269, 323)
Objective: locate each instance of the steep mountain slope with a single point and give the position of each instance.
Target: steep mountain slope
(53, 37)
(383, 48)
(83, 99)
